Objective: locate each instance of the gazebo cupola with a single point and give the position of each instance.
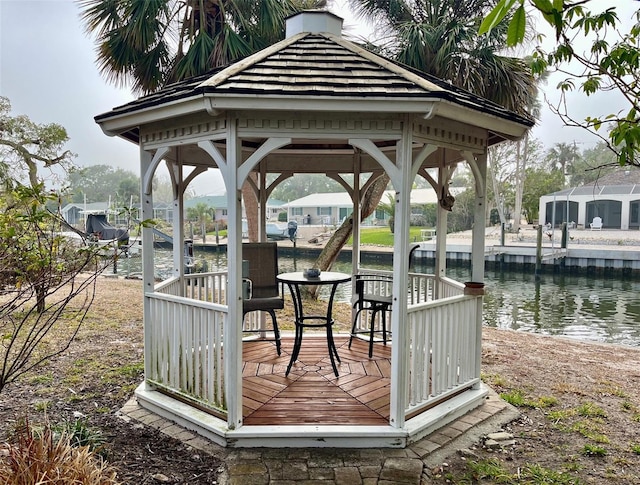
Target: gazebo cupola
(312, 103)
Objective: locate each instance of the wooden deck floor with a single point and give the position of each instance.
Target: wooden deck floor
(311, 393)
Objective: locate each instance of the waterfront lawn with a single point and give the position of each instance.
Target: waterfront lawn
(382, 236)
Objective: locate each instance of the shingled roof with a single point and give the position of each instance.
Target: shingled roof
(317, 65)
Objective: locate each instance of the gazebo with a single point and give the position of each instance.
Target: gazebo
(312, 103)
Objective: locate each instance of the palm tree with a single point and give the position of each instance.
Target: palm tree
(149, 44)
(440, 37)
(562, 156)
(389, 208)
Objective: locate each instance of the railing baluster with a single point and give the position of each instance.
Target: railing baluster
(186, 338)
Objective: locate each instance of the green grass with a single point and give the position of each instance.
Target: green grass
(593, 450)
(538, 475)
(494, 379)
(46, 378)
(613, 389)
(635, 448)
(134, 370)
(518, 399)
(493, 471)
(489, 470)
(80, 434)
(546, 401)
(591, 432)
(590, 410)
(42, 406)
(560, 415)
(382, 236)
(591, 427)
(515, 398)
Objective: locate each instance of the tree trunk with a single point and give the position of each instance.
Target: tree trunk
(41, 294)
(251, 208)
(521, 158)
(493, 173)
(340, 237)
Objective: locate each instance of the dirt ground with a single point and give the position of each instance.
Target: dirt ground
(579, 402)
(579, 405)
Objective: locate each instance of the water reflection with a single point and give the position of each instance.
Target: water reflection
(586, 308)
(604, 310)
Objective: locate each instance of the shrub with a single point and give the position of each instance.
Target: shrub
(40, 457)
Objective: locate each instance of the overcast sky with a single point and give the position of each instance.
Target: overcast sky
(48, 72)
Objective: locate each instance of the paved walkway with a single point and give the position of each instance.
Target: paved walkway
(339, 466)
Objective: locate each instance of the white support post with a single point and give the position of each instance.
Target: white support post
(625, 217)
(582, 214)
(178, 220)
(477, 250)
(441, 231)
(399, 326)
(148, 276)
(479, 219)
(262, 204)
(233, 330)
(356, 198)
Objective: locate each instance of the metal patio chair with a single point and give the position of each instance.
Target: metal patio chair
(266, 294)
(373, 293)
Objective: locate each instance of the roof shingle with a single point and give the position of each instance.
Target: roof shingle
(309, 65)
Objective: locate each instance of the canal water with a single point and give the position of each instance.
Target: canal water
(585, 308)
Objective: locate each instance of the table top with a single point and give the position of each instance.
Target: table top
(325, 278)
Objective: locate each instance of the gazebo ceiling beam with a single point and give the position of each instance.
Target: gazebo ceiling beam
(338, 178)
(312, 161)
(477, 175)
(281, 178)
(148, 176)
(254, 159)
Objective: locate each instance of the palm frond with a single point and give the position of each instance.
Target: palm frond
(152, 42)
(440, 37)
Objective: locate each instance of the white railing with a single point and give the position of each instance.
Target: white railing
(211, 287)
(186, 340)
(172, 286)
(188, 317)
(443, 352)
(448, 287)
(421, 289)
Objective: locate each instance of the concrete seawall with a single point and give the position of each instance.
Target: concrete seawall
(606, 252)
(581, 260)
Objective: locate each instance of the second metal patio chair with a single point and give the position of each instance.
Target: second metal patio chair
(266, 293)
(373, 294)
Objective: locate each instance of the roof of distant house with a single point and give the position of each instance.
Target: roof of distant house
(342, 199)
(89, 207)
(621, 182)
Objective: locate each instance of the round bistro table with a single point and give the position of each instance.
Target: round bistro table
(294, 281)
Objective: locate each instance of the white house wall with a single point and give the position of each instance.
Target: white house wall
(582, 200)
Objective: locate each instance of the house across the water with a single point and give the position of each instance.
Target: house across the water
(614, 198)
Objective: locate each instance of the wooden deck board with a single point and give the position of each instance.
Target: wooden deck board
(311, 394)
